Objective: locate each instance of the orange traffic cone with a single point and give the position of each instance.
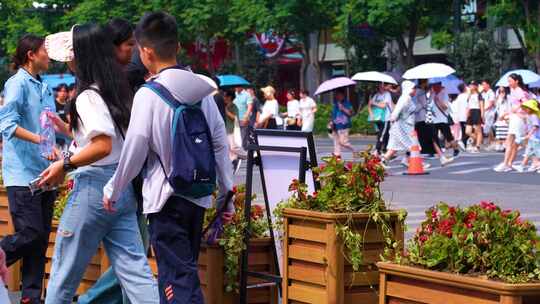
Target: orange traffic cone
(416, 162)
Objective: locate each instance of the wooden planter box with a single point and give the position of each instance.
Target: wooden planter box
(314, 267)
(412, 285)
(6, 228)
(98, 265)
(212, 273)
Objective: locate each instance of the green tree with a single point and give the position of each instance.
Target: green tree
(477, 56)
(520, 15)
(305, 20)
(401, 21)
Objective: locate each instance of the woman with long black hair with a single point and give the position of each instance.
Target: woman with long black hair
(99, 117)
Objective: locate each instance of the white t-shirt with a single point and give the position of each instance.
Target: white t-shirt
(306, 108)
(438, 115)
(489, 96)
(270, 109)
(459, 107)
(293, 108)
(474, 101)
(94, 120)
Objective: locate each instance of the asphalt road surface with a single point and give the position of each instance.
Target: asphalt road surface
(468, 180)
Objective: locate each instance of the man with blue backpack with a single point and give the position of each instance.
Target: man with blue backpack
(177, 134)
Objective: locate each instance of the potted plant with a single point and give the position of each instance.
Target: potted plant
(219, 263)
(333, 238)
(476, 254)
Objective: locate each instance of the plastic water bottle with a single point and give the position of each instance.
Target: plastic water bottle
(47, 133)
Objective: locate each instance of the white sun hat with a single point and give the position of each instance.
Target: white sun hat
(59, 46)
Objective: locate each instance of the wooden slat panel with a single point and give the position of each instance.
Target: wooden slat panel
(367, 278)
(313, 252)
(307, 293)
(307, 233)
(307, 272)
(367, 297)
(432, 294)
(4, 229)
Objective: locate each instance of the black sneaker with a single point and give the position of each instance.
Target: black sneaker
(456, 152)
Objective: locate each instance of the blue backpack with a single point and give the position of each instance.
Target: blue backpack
(193, 160)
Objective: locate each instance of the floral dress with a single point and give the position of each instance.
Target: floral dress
(403, 126)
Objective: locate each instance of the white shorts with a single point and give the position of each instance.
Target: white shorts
(516, 127)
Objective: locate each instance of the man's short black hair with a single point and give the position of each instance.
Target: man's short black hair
(158, 31)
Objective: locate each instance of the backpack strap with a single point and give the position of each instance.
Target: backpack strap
(163, 93)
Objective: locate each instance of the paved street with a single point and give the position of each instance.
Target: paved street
(470, 179)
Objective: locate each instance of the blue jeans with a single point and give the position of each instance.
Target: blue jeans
(84, 224)
(107, 289)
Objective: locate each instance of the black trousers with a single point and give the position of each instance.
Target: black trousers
(383, 135)
(425, 137)
(464, 136)
(175, 235)
(32, 216)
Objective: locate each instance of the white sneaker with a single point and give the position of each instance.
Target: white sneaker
(533, 168)
(502, 168)
(475, 150)
(405, 162)
(446, 160)
(462, 146)
(427, 166)
(519, 168)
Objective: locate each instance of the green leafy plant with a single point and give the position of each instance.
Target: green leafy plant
(62, 199)
(347, 187)
(479, 240)
(232, 239)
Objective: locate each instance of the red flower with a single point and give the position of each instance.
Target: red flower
(257, 212)
(452, 210)
(506, 212)
(315, 194)
(469, 225)
(429, 229)
(368, 191)
(322, 166)
(445, 227)
(488, 206)
(234, 189)
(423, 238)
(349, 165)
(434, 214)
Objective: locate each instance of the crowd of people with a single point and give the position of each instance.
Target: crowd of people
(242, 111)
(477, 119)
(122, 157)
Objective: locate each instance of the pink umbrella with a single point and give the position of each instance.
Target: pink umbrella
(334, 83)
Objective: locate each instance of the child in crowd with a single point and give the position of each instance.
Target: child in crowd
(533, 138)
(501, 125)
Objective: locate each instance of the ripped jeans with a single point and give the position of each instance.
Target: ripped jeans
(84, 225)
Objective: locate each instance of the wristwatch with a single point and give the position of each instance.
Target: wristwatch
(68, 165)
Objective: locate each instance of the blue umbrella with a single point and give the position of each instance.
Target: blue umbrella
(232, 81)
(528, 77)
(54, 80)
(450, 83)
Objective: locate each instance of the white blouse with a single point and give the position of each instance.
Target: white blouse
(94, 120)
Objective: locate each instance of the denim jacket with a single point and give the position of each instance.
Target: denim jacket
(24, 100)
